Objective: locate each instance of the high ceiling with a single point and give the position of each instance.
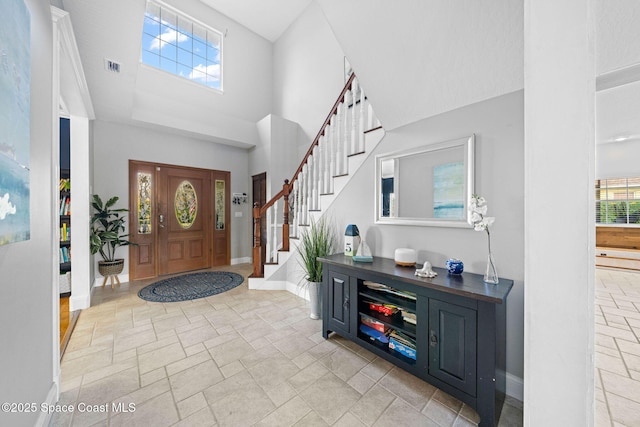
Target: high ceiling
(268, 18)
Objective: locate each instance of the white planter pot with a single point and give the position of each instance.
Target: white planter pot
(314, 299)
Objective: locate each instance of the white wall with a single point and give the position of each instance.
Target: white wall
(499, 128)
(617, 34)
(273, 154)
(28, 285)
(116, 144)
(418, 58)
(152, 96)
(617, 117)
(308, 73)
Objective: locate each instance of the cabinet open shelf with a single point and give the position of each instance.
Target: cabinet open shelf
(394, 321)
(380, 348)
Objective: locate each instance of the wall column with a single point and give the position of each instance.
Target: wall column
(559, 68)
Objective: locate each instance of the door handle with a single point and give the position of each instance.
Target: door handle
(161, 220)
(345, 304)
(433, 339)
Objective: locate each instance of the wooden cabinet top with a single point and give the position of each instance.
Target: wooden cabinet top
(468, 285)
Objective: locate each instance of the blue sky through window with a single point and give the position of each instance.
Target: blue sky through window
(175, 44)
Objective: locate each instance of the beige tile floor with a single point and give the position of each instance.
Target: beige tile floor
(239, 358)
(617, 344)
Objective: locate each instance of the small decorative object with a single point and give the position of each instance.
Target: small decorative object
(405, 257)
(426, 271)
(363, 254)
(454, 266)
(351, 240)
(478, 209)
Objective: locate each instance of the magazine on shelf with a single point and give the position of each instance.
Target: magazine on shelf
(384, 288)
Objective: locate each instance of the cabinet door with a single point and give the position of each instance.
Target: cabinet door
(339, 302)
(452, 345)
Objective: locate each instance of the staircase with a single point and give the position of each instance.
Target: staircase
(347, 137)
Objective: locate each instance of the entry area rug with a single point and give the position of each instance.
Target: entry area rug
(190, 286)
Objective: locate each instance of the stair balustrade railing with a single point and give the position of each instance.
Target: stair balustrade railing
(341, 135)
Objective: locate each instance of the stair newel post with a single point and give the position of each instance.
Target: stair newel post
(286, 188)
(362, 121)
(258, 270)
(354, 118)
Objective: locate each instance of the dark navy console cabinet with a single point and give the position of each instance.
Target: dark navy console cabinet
(459, 327)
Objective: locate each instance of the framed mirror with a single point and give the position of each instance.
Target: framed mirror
(430, 185)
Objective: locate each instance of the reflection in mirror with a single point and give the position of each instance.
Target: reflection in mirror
(430, 185)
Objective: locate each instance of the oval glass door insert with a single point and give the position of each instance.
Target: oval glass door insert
(186, 204)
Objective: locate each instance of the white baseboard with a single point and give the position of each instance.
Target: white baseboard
(260, 284)
(98, 282)
(79, 302)
(52, 398)
(243, 260)
(514, 385)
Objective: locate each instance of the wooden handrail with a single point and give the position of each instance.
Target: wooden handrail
(287, 187)
(324, 126)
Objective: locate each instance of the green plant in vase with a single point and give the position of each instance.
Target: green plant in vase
(107, 226)
(316, 242)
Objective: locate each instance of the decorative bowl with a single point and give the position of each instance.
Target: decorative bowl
(454, 266)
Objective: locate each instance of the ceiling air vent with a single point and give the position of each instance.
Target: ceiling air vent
(112, 66)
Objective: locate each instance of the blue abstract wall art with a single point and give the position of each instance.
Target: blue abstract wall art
(448, 191)
(15, 98)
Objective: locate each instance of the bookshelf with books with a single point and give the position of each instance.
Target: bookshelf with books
(448, 330)
(65, 228)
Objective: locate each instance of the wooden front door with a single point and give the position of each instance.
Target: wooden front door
(184, 212)
(179, 219)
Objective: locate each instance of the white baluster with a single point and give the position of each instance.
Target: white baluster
(369, 117)
(345, 136)
(346, 130)
(267, 250)
(332, 153)
(274, 246)
(354, 121)
(321, 165)
(362, 121)
(338, 140)
(303, 196)
(312, 182)
(296, 207)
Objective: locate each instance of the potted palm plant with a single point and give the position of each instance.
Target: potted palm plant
(316, 242)
(107, 224)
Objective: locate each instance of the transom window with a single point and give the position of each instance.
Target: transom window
(179, 45)
(618, 201)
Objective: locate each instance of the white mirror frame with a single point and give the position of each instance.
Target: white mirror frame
(468, 158)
